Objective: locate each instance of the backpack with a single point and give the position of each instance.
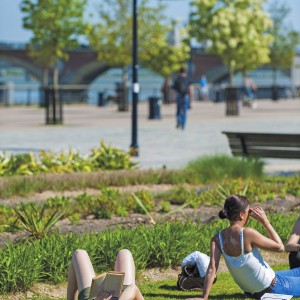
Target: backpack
(181, 85)
(189, 279)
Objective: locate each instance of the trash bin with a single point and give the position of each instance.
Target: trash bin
(6, 91)
(102, 101)
(275, 92)
(154, 108)
(232, 101)
(122, 96)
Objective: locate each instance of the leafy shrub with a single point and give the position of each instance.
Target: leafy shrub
(83, 204)
(101, 158)
(34, 220)
(145, 197)
(107, 203)
(219, 167)
(109, 158)
(60, 203)
(165, 206)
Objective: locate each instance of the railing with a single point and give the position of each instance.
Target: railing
(32, 94)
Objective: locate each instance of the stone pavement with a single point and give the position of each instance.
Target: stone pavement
(22, 129)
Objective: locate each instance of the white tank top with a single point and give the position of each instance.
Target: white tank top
(250, 272)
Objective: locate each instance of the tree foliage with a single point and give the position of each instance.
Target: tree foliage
(283, 47)
(56, 26)
(233, 29)
(112, 37)
(166, 58)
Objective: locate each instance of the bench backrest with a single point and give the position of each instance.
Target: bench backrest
(272, 145)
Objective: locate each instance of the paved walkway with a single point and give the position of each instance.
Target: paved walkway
(161, 144)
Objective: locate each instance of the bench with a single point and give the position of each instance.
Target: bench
(267, 145)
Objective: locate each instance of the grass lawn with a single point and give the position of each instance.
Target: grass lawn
(224, 288)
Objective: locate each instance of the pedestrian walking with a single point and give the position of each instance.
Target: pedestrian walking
(203, 87)
(184, 97)
(250, 89)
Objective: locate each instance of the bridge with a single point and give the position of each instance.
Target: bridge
(83, 67)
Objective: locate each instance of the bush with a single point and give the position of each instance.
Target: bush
(220, 167)
(101, 158)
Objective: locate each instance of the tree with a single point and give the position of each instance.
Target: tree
(283, 47)
(168, 57)
(56, 26)
(233, 29)
(112, 37)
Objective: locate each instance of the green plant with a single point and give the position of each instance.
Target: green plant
(110, 158)
(153, 220)
(107, 203)
(160, 246)
(84, 203)
(165, 206)
(102, 158)
(145, 197)
(34, 220)
(219, 167)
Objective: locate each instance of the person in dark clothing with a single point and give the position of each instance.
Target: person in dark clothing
(184, 96)
(293, 246)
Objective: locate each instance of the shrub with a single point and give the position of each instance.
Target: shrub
(219, 167)
(34, 220)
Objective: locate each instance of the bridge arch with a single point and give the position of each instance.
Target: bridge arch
(25, 63)
(85, 74)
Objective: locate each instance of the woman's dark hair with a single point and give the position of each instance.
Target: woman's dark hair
(233, 205)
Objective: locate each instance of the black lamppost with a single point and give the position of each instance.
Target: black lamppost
(134, 148)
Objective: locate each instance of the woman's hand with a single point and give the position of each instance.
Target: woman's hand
(259, 214)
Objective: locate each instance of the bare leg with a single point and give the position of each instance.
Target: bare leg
(80, 274)
(132, 292)
(125, 263)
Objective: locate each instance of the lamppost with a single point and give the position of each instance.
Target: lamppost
(134, 148)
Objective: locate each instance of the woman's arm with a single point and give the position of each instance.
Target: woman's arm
(215, 254)
(293, 242)
(272, 243)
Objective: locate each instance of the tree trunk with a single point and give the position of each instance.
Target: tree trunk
(122, 91)
(45, 84)
(231, 75)
(166, 90)
(275, 91)
(231, 96)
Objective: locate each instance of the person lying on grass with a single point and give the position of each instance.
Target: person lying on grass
(293, 246)
(81, 273)
(240, 247)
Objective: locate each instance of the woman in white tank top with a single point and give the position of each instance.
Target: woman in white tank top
(240, 247)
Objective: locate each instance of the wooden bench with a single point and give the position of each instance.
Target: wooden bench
(268, 145)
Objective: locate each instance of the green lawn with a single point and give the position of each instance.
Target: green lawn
(224, 288)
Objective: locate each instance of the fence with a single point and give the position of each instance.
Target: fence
(14, 94)
(33, 94)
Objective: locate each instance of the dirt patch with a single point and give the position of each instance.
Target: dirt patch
(204, 213)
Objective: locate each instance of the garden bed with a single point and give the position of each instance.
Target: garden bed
(204, 213)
